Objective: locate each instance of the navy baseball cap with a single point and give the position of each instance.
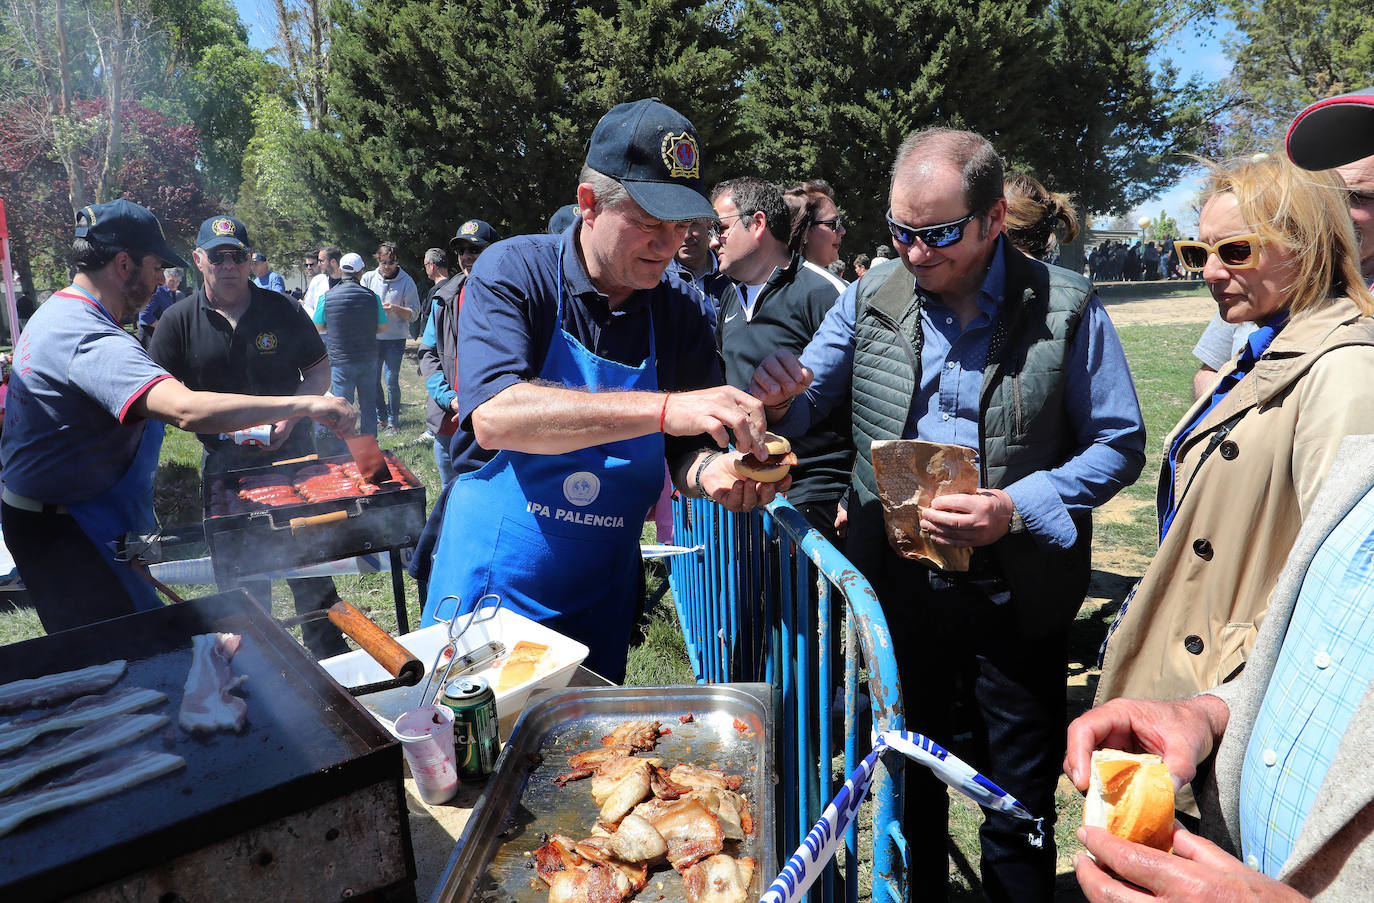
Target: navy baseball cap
(258, 257)
(1333, 132)
(222, 232)
(125, 226)
(653, 151)
(475, 232)
(562, 218)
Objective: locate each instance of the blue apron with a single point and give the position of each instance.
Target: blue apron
(126, 507)
(557, 536)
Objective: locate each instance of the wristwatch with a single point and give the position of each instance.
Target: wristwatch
(1017, 525)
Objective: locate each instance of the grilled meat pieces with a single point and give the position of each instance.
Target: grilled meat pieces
(720, 879)
(691, 831)
(641, 735)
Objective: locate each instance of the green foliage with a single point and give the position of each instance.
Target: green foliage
(1063, 90)
(1162, 227)
(1289, 53)
(439, 116)
(276, 200)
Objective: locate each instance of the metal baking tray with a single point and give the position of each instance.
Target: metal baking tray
(521, 801)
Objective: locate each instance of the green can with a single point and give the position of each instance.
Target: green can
(475, 738)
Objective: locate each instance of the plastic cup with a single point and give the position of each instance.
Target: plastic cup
(426, 736)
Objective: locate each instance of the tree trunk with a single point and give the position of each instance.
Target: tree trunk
(62, 107)
(112, 53)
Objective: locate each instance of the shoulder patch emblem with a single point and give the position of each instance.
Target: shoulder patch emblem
(266, 341)
(680, 156)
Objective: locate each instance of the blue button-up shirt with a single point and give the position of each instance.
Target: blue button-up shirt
(1321, 675)
(1099, 399)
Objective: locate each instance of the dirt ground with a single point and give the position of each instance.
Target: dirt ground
(1160, 311)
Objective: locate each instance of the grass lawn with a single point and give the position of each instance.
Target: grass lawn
(1162, 366)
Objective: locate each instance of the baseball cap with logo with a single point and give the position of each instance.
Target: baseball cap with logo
(653, 151)
(562, 218)
(258, 257)
(1334, 131)
(125, 226)
(352, 263)
(222, 232)
(475, 232)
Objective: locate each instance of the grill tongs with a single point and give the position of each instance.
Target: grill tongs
(448, 654)
(404, 668)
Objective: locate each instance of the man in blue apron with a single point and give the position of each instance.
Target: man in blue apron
(84, 421)
(581, 365)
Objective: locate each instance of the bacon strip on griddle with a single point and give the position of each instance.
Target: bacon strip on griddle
(206, 705)
(54, 752)
(51, 688)
(101, 778)
(86, 710)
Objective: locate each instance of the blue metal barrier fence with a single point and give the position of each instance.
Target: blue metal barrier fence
(757, 602)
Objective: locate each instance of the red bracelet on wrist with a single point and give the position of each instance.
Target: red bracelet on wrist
(663, 413)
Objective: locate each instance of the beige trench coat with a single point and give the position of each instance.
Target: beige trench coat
(1193, 618)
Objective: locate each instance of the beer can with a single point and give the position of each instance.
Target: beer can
(255, 436)
(475, 736)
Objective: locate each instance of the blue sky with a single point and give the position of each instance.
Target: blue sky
(1193, 52)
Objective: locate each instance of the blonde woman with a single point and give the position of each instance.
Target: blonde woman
(1241, 468)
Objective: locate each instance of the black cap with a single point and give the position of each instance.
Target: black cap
(222, 232)
(258, 257)
(474, 232)
(1333, 132)
(125, 226)
(653, 151)
(562, 218)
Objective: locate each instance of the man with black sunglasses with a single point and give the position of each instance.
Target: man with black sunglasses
(972, 343)
(235, 336)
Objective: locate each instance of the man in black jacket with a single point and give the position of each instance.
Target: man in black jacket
(439, 344)
(779, 304)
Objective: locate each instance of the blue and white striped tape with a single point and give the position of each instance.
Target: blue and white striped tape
(818, 848)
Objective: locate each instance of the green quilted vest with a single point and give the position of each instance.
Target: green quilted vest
(1023, 425)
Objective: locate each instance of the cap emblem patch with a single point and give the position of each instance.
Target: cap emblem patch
(468, 228)
(680, 156)
(222, 226)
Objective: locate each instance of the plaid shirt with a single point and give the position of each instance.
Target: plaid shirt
(1322, 672)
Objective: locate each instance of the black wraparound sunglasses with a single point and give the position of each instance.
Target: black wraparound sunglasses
(940, 235)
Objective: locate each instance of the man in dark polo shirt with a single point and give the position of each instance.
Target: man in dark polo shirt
(582, 366)
(233, 336)
(780, 303)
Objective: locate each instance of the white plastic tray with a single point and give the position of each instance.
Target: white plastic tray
(354, 669)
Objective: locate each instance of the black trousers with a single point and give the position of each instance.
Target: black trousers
(966, 666)
(68, 582)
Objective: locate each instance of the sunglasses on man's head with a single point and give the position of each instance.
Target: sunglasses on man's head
(1236, 252)
(940, 235)
(229, 255)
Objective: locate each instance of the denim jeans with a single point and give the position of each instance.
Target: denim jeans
(389, 353)
(359, 377)
(442, 459)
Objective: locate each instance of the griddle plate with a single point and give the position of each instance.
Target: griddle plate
(306, 741)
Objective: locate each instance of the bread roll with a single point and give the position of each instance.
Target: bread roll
(1131, 796)
(521, 665)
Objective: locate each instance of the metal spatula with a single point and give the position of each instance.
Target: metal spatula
(367, 454)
